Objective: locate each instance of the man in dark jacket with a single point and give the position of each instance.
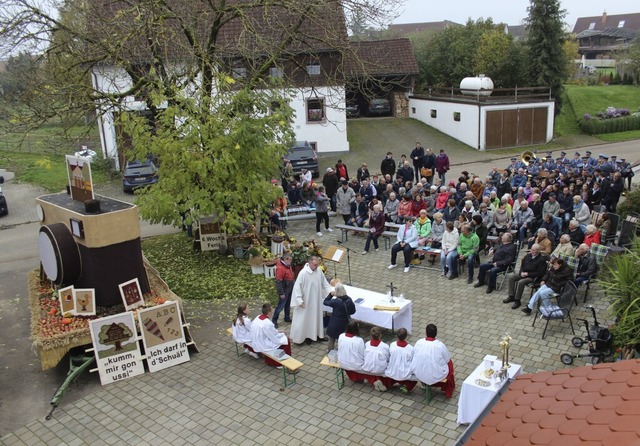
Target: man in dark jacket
(532, 268)
(406, 172)
(416, 156)
(504, 256)
(575, 233)
(388, 165)
(429, 162)
(552, 283)
(611, 196)
(284, 288)
(587, 265)
(331, 183)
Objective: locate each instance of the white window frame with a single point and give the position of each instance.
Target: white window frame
(313, 69)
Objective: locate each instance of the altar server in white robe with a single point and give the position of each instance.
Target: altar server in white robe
(432, 362)
(265, 337)
(351, 352)
(241, 329)
(309, 292)
(400, 357)
(376, 359)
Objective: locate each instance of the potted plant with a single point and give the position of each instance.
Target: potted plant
(255, 259)
(621, 283)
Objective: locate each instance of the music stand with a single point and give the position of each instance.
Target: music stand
(336, 254)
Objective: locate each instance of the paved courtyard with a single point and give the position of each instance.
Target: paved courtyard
(219, 398)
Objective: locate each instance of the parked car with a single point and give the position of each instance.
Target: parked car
(139, 174)
(4, 210)
(379, 107)
(302, 155)
(353, 110)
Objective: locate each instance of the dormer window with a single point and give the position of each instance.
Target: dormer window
(313, 70)
(621, 24)
(592, 25)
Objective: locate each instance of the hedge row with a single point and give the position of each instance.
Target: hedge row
(600, 126)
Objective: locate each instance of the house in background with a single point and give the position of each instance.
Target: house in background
(312, 67)
(381, 69)
(599, 37)
(405, 29)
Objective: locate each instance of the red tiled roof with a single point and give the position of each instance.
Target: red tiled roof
(631, 21)
(597, 405)
(381, 58)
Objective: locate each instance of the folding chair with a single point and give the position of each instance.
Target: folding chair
(600, 253)
(560, 310)
(510, 269)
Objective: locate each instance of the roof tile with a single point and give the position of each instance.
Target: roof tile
(635, 381)
(560, 407)
(503, 407)
(602, 416)
(622, 365)
(499, 438)
(631, 394)
(557, 379)
(568, 394)
(517, 412)
(525, 430)
(628, 408)
(484, 433)
(625, 423)
(492, 420)
(613, 389)
(535, 387)
(571, 427)
(534, 416)
(621, 377)
(574, 382)
(551, 390)
(586, 398)
(566, 440)
(607, 402)
(542, 403)
(592, 386)
(594, 432)
(595, 374)
(541, 377)
(543, 436)
(526, 399)
(509, 424)
(620, 438)
(579, 412)
(552, 421)
(580, 371)
(518, 442)
(521, 382)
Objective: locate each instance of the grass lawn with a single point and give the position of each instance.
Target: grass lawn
(205, 275)
(591, 100)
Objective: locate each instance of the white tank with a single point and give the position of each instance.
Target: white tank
(479, 85)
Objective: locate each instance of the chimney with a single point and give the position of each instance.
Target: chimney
(604, 17)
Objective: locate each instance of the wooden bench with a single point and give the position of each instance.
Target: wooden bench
(346, 228)
(290, 366)
(432, 253)
(339, 372)
(428, 393)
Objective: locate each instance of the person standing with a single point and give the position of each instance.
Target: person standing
(342, 307)
(429, 162)
(341, 170)
(416, 156)
(442, 166)
(344, 197)
(363, 173)
(376, 228)
(331, 183)
(431, 362)
(284, 288)
(309, 291)
(265, 337)
(388, 165)
(322, 211)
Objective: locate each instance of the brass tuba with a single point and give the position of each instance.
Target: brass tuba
(528, 157)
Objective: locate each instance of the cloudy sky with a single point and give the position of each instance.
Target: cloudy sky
(507, 11)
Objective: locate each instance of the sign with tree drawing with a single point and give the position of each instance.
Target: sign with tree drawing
(163, 336)
(116, 347)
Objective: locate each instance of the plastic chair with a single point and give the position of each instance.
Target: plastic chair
(560, 310)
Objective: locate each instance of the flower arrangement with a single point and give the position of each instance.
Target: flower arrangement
(609, 113)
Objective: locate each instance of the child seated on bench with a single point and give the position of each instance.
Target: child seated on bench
(351, 352)
(265, 337)
(400, 357)
(241, 329)
(376, 360)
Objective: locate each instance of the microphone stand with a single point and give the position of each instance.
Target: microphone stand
(348, 258)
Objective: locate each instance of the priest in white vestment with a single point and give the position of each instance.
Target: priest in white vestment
(431, 362)
(309, 292)
(265, 337)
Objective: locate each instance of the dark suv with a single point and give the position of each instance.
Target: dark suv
(139, 174)
(302, 155)
(379, 107)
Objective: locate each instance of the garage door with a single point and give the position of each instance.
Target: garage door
(515, 127)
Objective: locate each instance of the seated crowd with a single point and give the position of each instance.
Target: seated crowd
(381, 365)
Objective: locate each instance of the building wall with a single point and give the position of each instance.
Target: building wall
(329, 135)
(471, 128)
(465, 130)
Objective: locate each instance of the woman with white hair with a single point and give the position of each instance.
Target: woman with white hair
(581, 212)
(592, 235)
(342, 307)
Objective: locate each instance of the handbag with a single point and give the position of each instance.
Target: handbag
(426, 172)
